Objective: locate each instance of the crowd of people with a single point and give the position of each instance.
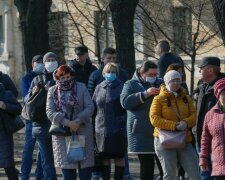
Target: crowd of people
(152, 115)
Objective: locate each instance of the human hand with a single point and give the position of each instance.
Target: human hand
(181, 125)
(74, 126)
(204, 168)
(35, 89)
(152, 91)
(2, 105)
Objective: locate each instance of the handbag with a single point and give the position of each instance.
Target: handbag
(61, 130)
(12, 124)
(76, 148)
(172, 139)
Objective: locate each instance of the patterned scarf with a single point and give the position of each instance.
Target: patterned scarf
(59, 95)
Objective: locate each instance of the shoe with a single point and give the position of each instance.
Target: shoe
(182, 178)
(95, 178)
(127, 177)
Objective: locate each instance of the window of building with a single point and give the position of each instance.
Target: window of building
(182, 28)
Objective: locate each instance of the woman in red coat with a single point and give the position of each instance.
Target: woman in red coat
(213, 136)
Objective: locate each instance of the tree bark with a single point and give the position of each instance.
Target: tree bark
(219, 12)
(123, 22)
(34, 27)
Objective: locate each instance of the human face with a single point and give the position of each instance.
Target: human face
(158, 49)
(110, 58)
(66, 77)
(152, 72)
(222, 98)
(175, 84)
(206, 73)
(81, 58)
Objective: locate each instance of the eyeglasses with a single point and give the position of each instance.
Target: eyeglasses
(50, 60)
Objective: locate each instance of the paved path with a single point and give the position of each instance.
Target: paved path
(19, 141)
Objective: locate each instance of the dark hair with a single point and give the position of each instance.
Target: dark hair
(164, 45)
(108, 50)
(148, 65)
(175, 67)
(63, 70)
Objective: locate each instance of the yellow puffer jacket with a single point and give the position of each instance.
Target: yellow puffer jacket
(162, 115)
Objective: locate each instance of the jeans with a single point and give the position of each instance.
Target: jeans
(205, 175)
(46, 151)
(147, 164)
(27, 156)
(70, 174)
(187, 157)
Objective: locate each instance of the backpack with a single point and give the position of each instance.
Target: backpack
(36, 103)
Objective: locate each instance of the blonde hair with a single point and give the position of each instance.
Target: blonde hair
(110, 66)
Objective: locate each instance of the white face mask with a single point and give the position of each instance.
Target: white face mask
(51, 66)
(151, 80)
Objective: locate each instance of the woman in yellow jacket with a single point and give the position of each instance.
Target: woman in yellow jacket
(173, 110)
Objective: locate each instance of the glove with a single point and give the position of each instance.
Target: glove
(181, 126)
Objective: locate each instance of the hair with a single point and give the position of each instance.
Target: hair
(108, 50)
(164, 45)
(176, 67)
(147, 65)
(63, 70)
(110, 66)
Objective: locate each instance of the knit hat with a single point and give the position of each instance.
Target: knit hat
(219, 86)
(170, 75)
(49, 55)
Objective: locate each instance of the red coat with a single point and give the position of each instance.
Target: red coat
(213, 141)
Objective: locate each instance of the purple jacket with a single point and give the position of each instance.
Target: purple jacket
(213, 141)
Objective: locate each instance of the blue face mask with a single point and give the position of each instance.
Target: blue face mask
(110, 76)
(39, 68)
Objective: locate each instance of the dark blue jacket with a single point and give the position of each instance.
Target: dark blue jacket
(165, 60)
(96, 78)
(26, 82)
(110, 119)
(8, 83)
(6, 140)
(139, 128)
(40, 130)
(82, 72)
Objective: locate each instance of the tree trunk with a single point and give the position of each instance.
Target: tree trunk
(34, 27)
(219, 12)
(123, 22)
(192, 73)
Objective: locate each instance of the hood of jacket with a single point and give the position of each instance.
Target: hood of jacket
(164, 92)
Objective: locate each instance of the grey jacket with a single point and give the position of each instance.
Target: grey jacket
(84, 113)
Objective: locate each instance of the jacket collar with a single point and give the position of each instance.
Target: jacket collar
(112, 84)
(165, 92)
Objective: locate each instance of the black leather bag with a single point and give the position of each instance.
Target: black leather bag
(36, 103)
(12, 124)
(61, 130)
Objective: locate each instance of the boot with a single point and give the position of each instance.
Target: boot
(106, 172)
(119, 170)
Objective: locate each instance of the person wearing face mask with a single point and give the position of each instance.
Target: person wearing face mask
(110, 122)
(108, 56)
(173, 110)
(69, 98)
(28, 148)
(40, 129)
(136, 98)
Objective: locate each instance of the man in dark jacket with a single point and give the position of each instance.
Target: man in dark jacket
(210, 73)
(28, 148)
(166, 57)
(96, 77)
(82, 64)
